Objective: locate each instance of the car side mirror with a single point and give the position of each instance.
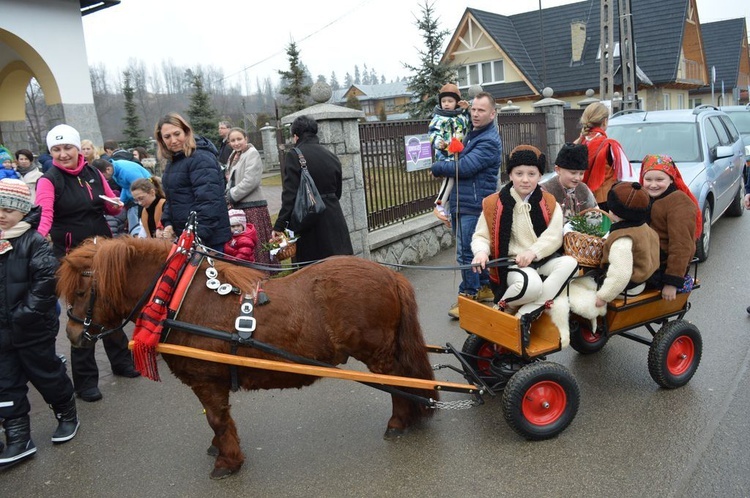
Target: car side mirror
(723, 151)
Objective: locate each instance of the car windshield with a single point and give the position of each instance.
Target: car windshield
(741, 120)
(679, 140)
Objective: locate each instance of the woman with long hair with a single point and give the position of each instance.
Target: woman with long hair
(192, 181)
(149, 194)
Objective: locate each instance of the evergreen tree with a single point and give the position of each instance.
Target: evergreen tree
(202, 115)
(352, 102)
(348, 81)
(334, 81)
(382, 79)
(357, 76)
(321, 79)
(366, 76)
(133, 131)
(373, 77)
(427, 79)
(293, 85)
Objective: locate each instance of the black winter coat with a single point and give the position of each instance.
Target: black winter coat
(196, 183)
(27, 289)
(329, 235)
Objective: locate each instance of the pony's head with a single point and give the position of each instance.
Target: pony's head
(101, 282)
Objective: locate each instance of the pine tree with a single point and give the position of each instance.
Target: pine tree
(133, 131)
(352, 102)
(426, 80)
(348, 81)
(334, 81)
(357, 77)
(321, 79)
(202, 115)
(293, 82)
(366, 76)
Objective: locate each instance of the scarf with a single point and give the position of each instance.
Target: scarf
(501, 239)
(13, 232)
(23, 171)
(605, 153)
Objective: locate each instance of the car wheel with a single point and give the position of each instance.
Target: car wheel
(737, 207)
(541, 400)
(675, 354)
(702, 249)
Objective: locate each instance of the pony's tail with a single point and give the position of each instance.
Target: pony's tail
(411, 350)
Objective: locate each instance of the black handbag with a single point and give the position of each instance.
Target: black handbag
(308, 205)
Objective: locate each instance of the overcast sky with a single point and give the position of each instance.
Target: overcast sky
(249, 37)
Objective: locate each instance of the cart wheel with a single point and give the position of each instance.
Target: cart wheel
(583, 339)
(675, 354)
(541, 400)
(494, 363)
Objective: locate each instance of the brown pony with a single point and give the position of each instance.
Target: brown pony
(344, 306)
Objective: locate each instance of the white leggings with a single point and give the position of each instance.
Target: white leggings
(537, 292)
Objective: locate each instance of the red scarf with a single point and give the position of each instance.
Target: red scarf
(605, 153)
(149, 324)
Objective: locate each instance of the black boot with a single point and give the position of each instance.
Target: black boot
(19, 444)
(67, 421)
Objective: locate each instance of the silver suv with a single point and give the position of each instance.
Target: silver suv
(706, 147)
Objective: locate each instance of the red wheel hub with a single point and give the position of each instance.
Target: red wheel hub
(544, 403)
(488, 350)
(589, 335)
(680, 355)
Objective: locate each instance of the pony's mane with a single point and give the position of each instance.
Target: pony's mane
(241, 277)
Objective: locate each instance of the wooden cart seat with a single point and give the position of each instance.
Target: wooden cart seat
(505, 330)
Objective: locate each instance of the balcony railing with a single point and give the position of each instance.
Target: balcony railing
(691, 72)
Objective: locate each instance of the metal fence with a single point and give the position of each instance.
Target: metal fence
(394, 195)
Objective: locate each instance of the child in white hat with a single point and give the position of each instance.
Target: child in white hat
(244, 237)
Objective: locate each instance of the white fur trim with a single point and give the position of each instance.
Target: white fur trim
(559, 314)
(582, 298)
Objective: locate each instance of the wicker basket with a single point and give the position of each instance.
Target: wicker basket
(586, 249)
(286, 252)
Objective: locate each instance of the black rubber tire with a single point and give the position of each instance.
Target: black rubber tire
(704, 243)
(528, 391)
(675, 354)
(477, 346)
(583, 339)
(737, 208)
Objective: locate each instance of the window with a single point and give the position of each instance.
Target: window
(695, 103)
(733, 134)
(368, 108)
(680, 101)
(390, 104)
(720, 130)
(667, 102)
(481, 73)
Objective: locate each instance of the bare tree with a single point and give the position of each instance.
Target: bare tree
(36, 114)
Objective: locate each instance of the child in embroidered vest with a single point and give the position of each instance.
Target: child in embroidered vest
(524, 223)
(450, 120)
(567, 185)
(631, 251)
(244, 237)
(677, 220)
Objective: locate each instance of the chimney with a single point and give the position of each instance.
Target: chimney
(577, 40)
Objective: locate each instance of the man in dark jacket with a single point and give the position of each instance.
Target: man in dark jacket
(225, 150)
(329, 234)
(475, 178)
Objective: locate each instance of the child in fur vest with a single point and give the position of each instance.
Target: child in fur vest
(524, 223)
(676, 219)
(567, 185)
(631, 251)
(244, 237)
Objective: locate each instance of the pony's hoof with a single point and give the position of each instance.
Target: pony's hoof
(221, 473)
(212, 451)
(392, 434)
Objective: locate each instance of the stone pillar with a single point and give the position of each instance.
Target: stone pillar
(338, 130)
(590, 99)
(553, 108)
(14, 135)
(508, 108)
(270, 148)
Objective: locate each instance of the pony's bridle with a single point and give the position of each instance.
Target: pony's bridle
(87, 321)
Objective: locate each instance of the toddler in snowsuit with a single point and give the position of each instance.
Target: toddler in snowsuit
(244, 237)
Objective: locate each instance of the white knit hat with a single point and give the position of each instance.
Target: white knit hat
(15, 194)
(237, 217)
(63, 134)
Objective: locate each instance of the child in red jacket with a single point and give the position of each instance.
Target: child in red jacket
(244, 237)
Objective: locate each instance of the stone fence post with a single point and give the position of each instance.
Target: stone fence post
(553, 108)
(338, 130)
(270, 147)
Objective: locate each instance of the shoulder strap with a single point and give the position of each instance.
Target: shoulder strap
(302, 160)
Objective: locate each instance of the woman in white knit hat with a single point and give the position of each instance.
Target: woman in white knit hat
(71, 194)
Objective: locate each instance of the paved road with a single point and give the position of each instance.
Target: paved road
(630, 437)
